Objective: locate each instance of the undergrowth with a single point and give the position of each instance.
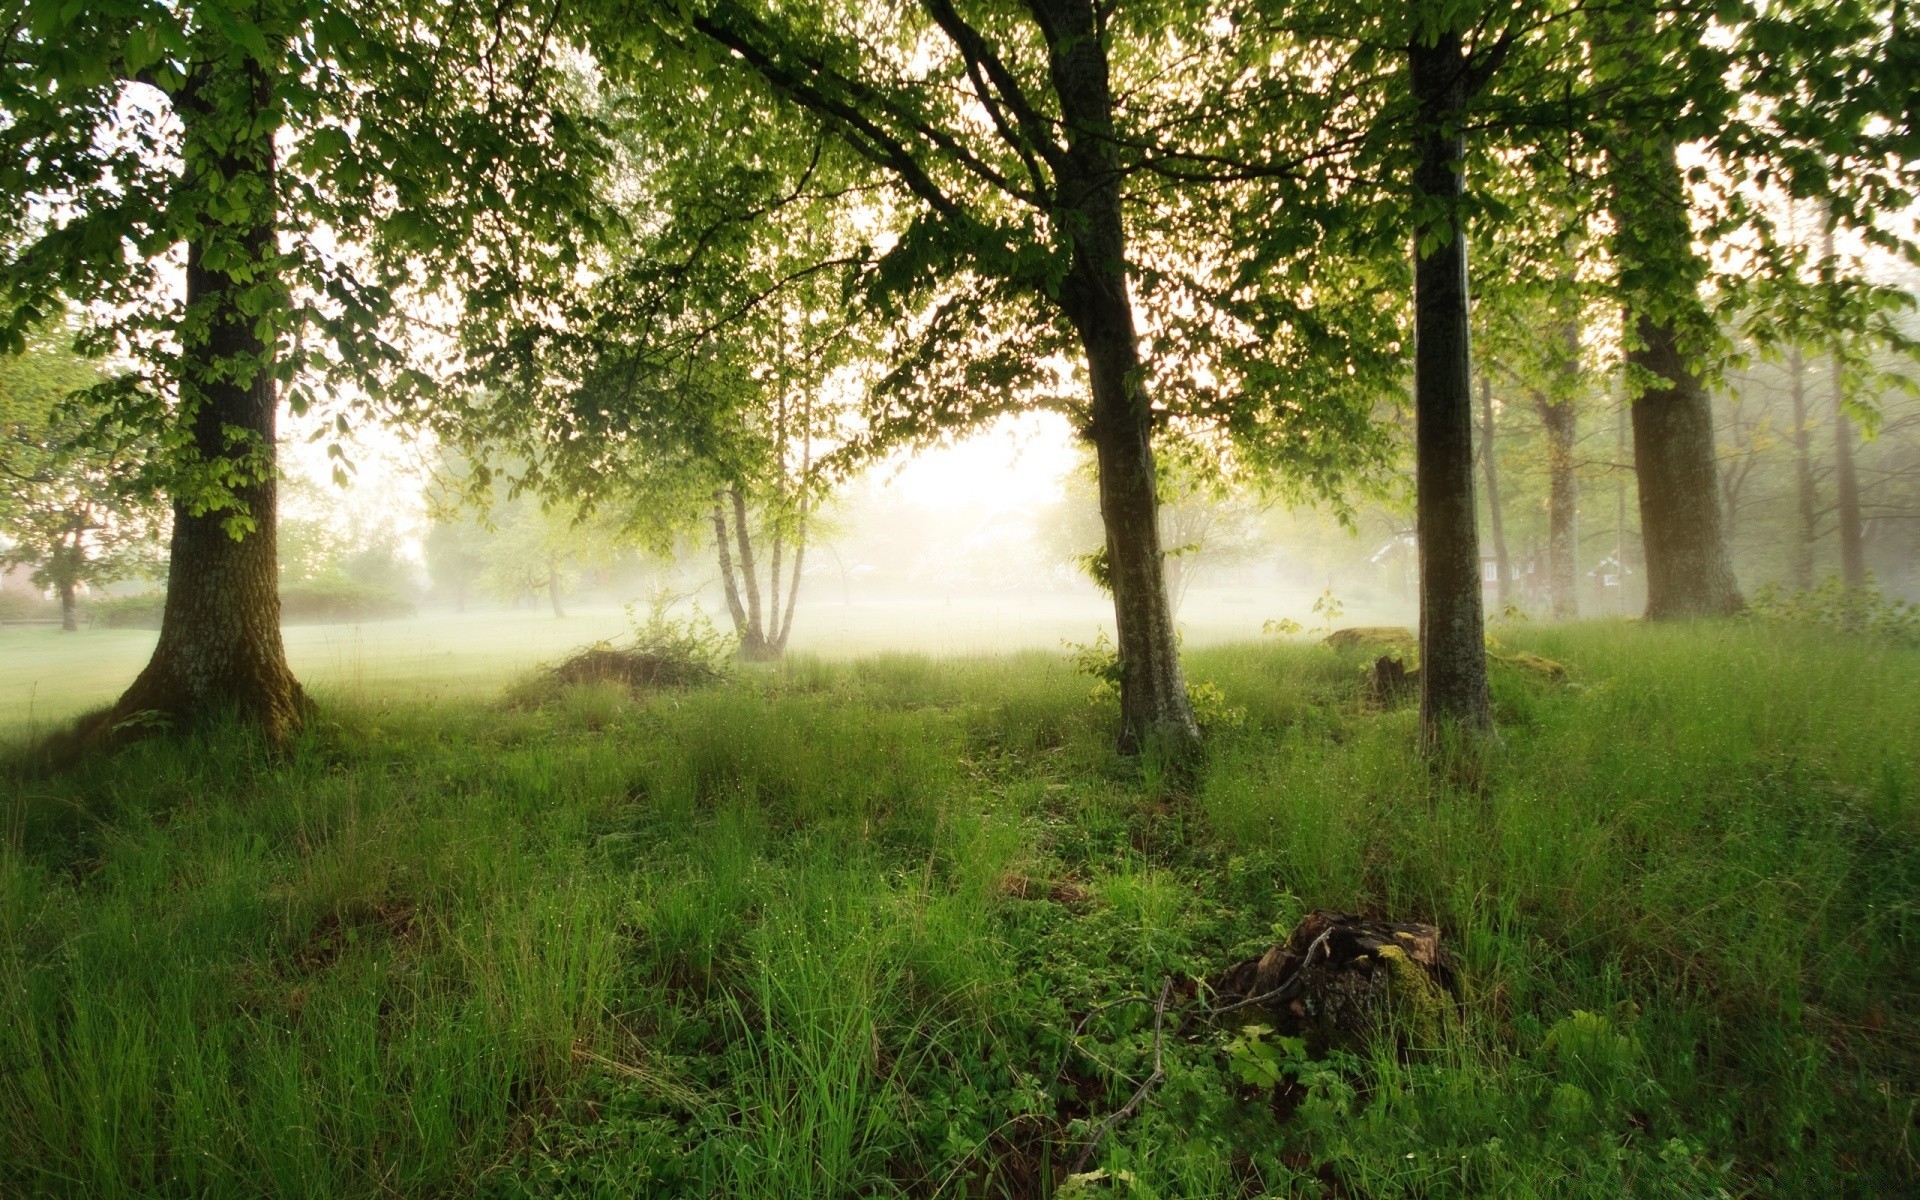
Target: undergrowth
(849, 928)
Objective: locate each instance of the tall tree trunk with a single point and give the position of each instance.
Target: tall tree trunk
(1495, 518)
(553, 591)
(1559, 418)
(775, 556)
(1846, 486)
(1563, 509)
(1153, 691)
(220, 648)
(1453, 651)
(1688, 572)
(753, 645)
(1620, 502)
(1802, 472)
(721, 540)
(69, 607)
(793, 587)
(1559, 414)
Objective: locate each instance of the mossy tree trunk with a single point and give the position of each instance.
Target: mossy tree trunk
(220, 649)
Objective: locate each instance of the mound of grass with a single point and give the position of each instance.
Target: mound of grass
(838, 929)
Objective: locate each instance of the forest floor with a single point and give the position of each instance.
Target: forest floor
(830, 929)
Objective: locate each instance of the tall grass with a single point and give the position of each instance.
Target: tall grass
(829, 930)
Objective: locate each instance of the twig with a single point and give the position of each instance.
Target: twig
(1284, 990)
(1133, 1105)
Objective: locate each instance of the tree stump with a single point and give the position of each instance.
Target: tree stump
(1390, 681)
(1339, 978)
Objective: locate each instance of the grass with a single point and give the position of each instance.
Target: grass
(48, 677)
(828, 930)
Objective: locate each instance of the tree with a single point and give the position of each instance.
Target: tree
(541, 549)
(700, 378)
(1038, 211)
(455, 550)
(305, 163)
(1444, 76)
(1796, 101)
(65, 510)
(1496, 517)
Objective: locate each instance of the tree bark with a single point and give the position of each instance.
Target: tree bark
(1560, 416)
(721, 538)
(69, 607)
(753, 643)
(1495, 519)
(1620, 502)
(220, 649)
(1802, 472)
(1453, 652)
(1153, 693)
(793, 589)
(1563, 511)
(1846, 486)
(1688, 572)
(553, 591)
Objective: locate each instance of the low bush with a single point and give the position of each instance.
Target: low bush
(21, 604)
(341, 600)
(314, 601)
(1834, 605)
(128, 612)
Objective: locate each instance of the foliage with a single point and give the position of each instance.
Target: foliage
(1100, 660)
(22, 604)
(327, 599)
(538, 547)
(341, 599)
(691, 639)
(386, 144)
(1833, 605)
(139, 611)
(66, 509)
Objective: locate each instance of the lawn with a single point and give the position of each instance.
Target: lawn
(846, 927)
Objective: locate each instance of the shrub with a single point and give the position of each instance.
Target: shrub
(338, 599)
(20, 604)
(1834, 605)
(128, 612)
(317, 600)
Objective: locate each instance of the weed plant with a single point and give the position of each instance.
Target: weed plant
(830, 930)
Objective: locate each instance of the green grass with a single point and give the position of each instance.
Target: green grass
(48, 677)
(828, 930)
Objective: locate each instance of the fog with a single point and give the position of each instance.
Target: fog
(976, 546)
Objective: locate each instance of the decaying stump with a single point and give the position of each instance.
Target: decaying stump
(1390, 681)
(1337, 976)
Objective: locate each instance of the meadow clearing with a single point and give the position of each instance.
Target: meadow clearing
(846, 926)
